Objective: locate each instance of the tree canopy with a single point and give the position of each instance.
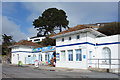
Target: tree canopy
(7, 41)
(47, 42)
(110, 28)
(51, 20)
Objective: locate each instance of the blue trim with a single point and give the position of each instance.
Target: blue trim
(88, 43)
(22, 51)
(107, 43)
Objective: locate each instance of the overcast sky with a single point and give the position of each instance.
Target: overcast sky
(17, 17)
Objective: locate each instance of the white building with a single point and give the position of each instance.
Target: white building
(35, 39)
(22, 50)
(81, 47)
(27, 52)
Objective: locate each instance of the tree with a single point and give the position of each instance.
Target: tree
(110, 29)
(51, 20)
(7, 41)
(47, 42)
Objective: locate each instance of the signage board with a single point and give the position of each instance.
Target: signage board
(50, 48)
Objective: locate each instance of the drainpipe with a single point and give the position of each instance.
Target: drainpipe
(86, 52)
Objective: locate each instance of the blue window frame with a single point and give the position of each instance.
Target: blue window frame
(78, 55)
(70, 55)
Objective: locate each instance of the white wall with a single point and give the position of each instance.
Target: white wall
(113, 47)
(23, 53)
(84, 47)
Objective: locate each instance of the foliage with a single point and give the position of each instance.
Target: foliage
(110, 29)
(7, 41)
(47, 42)
(51, 20)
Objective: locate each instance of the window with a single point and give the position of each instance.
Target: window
(78, 37)
(107, 55)
(69, 38)
(34, 55)
(62, 39)
(37, 40)
(29, 55)
(46, 57)
(57, 57)
(13, 55)
(70, 55)
(63, 56)
(18, 56)
(78, 55)
(40, 57)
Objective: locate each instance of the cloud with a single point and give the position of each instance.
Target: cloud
(32, 32)
(10, 28)
(60, 0)
(77, 12)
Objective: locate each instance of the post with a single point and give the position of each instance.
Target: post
(98, 63)
(110, 64)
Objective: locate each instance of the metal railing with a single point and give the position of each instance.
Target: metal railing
(109, 62)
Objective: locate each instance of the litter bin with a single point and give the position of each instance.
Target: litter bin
(19, 64)
(108, 70)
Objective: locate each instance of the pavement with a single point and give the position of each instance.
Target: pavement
(57, 69)
(29, 71)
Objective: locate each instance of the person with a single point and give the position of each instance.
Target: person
(54, 63)
(8, 60)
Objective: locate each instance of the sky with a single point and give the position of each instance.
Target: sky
(17, 17)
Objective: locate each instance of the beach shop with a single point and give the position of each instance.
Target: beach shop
(28, 52)
(43, 55)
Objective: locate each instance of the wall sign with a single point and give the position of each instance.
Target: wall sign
(84, 56)
(50, 48)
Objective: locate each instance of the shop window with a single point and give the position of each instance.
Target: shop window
(78, 55)
(63, 56)
(40, 57)
(46, 57)
(57, 57)
(34, 55)
(70, 55)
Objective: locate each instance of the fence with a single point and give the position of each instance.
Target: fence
(100, 62)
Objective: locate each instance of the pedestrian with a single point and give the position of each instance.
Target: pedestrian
(8, 60)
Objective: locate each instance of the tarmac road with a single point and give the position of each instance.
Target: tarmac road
(9, 71)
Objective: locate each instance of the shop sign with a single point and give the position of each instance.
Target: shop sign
(50, 48)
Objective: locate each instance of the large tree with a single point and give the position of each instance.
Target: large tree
(51, 20)
(47, 42)
(110, 28)
(7, 41)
